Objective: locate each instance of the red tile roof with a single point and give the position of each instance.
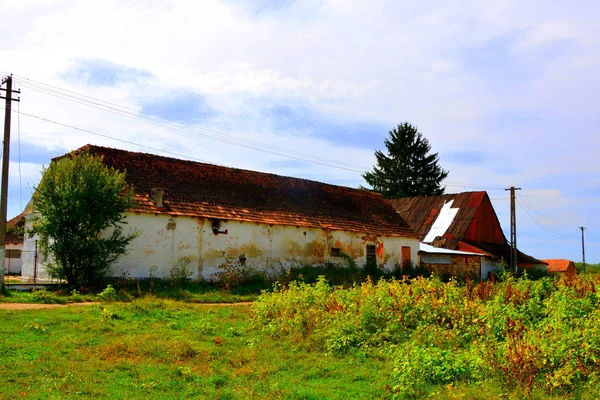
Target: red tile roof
(558, 265)
(211, 191)
(11, 236)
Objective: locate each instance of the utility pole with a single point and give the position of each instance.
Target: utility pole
(5, 161)
(583, 246)
(513, 231)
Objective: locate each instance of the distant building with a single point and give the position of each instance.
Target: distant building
(464, 222)
(208, 217)
(558, 266)
(14, 244)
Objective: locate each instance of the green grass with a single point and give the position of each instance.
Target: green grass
(421, 338)
(164, 349)
(189, 292)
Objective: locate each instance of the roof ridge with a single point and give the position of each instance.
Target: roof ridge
(93, 146)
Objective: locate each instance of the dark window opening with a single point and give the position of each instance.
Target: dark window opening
(371, 255)
(336, 252)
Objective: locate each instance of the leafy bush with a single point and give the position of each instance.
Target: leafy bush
(109, 294)
(234, 273)
(523, 334)
(46, 297)
(417, 368)
(179, 274)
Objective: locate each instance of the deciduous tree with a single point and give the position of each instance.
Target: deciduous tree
(79, 207)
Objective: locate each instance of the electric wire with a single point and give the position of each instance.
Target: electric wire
(543, 217)
(130, 113)
(538, 223)
(203, 132)
(114, 138)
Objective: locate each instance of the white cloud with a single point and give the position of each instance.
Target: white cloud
(518, 80)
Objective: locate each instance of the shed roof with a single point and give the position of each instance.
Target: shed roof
(212, 191)
(422, 213)
(427, 248)
(559, 265)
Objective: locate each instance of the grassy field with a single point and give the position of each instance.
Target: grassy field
(189, 292)
(164, 349)
(392, 339)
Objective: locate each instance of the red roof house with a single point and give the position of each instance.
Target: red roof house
(213, 215)
(558, 266)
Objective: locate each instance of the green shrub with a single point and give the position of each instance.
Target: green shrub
(109, 294)
(45, 297)
(417, 369)
(524, 335)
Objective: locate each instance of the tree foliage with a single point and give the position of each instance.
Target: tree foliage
(408, 168)
(79, 207)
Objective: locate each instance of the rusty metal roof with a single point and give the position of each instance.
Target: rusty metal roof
(212, 191)
(421, 213)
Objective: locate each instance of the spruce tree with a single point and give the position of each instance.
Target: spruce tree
(407, 169)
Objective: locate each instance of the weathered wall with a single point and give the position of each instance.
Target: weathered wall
(164, 242)
(464, 266)
(13, 265)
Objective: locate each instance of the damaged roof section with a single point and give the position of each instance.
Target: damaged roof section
(211, 191)
(456, 210)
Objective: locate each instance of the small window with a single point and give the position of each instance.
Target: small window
(336, 252)
(371, 255)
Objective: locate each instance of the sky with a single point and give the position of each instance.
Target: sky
(506, 92)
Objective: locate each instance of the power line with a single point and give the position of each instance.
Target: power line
(543, 217)
(113, 138)
(539, 224)
(203, 132)
(230, 139)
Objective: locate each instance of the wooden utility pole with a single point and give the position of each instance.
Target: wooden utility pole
(5, 161)
(583, 246)
(513, 231)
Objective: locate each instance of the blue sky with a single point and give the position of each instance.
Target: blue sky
(506, 92)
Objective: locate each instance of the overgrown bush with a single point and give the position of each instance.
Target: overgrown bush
(234, 273)
(520, 333)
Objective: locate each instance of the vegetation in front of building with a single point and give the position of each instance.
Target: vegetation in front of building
(518, 335)
(416, 338)
(79, 207)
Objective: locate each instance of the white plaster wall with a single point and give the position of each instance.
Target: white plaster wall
(13, 265)
(275, 247)
(163, 241)
(28, 255)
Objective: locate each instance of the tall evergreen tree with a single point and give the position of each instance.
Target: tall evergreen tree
(407, 169)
